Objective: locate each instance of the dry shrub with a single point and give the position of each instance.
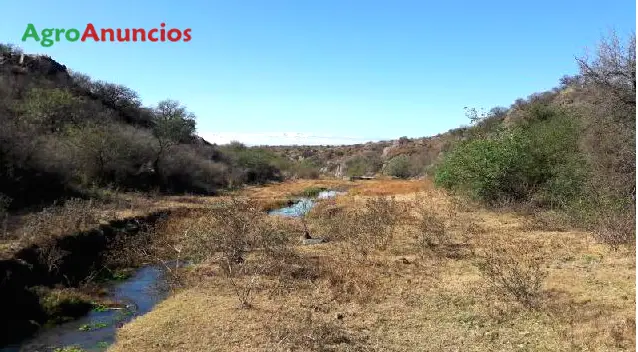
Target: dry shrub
(328, 220)
(431, 229)
(372, 226)
(305, 330)
(547, 221)
(348, 278)
(439, 231)
(73, 216)
(616, 229)
(238, 238)
(47, 226)
(513, 269)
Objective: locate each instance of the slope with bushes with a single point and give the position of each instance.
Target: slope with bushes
(571, 149)
(64, 134)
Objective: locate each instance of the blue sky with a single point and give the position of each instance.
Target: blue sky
(319, 72)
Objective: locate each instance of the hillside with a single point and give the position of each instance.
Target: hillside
(63, 135)
(416, 157)
(372, 157)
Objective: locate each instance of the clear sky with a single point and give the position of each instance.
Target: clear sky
(329, 71)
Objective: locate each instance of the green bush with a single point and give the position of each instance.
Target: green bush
(306, 169)
(312, 191)
(399, 166)
(539, 162)
(360, 165)
(253, 165)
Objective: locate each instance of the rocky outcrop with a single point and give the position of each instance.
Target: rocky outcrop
(40, 65)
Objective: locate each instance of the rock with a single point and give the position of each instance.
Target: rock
(340, 316)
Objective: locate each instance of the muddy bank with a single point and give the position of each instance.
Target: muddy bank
(82, 254)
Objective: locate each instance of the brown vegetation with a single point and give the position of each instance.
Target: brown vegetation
(505, 288)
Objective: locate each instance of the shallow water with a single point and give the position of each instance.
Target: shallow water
(300, 208)
(139, 293)
(303, 205)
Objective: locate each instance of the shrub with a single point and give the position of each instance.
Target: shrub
(306, 169)
(514, 269)
(185, 171)
(225, 235)
(368, 163)
(253, 165)
(372, 226)
(399, 166)
(540, 162)
(431, 228)
(312, 191)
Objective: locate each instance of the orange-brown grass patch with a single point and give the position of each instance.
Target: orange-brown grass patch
(389, 187)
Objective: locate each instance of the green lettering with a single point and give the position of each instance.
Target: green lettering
(30, 32)
(72, 35)
(46, 35)
(58, 31)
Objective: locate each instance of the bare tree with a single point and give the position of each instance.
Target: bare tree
(613, 68)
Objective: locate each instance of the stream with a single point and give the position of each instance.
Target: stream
(303, 205)
(137, 295)
(96, 330)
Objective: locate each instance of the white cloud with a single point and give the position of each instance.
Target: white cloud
(280, 138)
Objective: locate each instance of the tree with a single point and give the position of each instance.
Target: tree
(51, 109)
(610, 138)
(172, 124)
(613, 68)
(399, 166)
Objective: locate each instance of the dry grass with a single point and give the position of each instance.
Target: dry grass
(327, 299)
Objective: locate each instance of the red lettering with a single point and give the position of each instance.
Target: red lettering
(90, 31)
(187, 35)
(176, 32)
(110, 32)
(141, 32)
(123, 39)
(150, 34)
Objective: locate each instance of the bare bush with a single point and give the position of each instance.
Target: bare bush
(616, 229)
(73, 216)
(329, 220)
(46, 227)
(308, 331)
(373, 225)
(349, 279)
(431, 229)
(514, 269)
(238, 238)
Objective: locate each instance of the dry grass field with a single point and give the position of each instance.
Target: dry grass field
(436, 274)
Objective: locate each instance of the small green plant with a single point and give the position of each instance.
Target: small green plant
(98, 307)
(312, 191)
(102, 345)
(69, 349)
(94, 326)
